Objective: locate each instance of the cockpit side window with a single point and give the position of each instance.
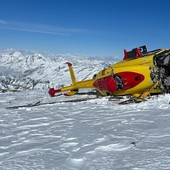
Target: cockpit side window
(163, 60)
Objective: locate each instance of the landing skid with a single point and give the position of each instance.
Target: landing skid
(132, 100)
(114, 99)
(48, 103)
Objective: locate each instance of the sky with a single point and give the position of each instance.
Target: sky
(84, 27)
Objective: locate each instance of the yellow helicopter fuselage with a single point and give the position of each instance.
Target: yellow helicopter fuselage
(136, 76)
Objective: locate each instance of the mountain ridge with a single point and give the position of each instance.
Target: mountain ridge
(22, 69)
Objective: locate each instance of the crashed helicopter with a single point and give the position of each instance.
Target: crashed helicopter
(140, 74)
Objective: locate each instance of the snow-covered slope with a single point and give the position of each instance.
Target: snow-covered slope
(91, 135)
(25, 69)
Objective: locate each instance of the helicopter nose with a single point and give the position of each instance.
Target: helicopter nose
(107, 83)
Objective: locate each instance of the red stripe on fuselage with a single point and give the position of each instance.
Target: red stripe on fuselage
(130, 79)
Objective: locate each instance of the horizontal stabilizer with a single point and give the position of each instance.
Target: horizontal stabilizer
(71, 93)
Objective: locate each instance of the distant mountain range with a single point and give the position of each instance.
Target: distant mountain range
(21, 69)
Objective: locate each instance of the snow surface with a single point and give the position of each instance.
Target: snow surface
(97, 134)
(90, 135)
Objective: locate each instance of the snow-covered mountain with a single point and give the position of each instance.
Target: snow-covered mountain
(25, 69)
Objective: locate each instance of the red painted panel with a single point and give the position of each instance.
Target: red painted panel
(107, 83)
(130, 79)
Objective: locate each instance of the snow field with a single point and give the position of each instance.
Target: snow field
(94, 134)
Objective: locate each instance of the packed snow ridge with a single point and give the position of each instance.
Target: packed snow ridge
(28, 70)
